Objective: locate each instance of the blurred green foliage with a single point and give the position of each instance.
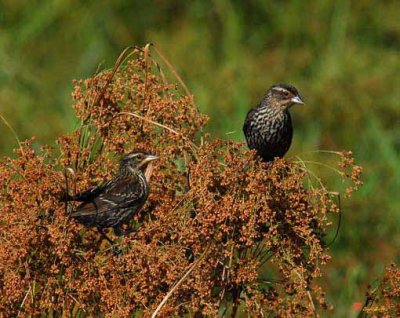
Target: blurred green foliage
(342, 55)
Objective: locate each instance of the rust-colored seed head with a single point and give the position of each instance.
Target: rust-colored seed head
(214, 216)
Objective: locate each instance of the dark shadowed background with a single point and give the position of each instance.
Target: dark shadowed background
(343, 56)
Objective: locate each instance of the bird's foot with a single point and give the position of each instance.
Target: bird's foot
(123, 230)
(116, 251)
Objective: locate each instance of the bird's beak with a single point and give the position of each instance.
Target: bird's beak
(297, 100)
(150, 158)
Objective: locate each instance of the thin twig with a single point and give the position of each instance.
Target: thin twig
(23, 300)
(321, 151)
(370, 298)
(339, 221)
(222, 294)
(308, 294)
(146, 65)
(187, 91)
(265, 258)
(160, 125)
(121, 58)
(13, 132)
(323, 165)
(175, 287)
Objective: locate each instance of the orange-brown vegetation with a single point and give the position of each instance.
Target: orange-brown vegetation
(384, 300)
(221, 231)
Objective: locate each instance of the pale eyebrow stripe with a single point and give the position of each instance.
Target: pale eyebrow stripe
(133, 155)
(280, 89)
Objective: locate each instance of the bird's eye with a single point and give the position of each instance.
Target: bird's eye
(286, 93)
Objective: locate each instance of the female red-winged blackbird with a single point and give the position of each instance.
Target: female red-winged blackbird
(115, 202)
(268, 127)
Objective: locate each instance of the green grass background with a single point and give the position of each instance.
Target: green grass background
(342, 55)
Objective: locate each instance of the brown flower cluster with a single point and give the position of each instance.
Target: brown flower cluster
(384, 300)
(221, 232)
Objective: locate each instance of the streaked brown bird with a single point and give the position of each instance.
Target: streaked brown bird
(115, 202)
(268, 127)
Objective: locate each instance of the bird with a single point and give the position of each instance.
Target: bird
(268, 126)
(115, 202)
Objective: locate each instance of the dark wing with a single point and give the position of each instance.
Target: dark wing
(121, 193)
(246, 124)
(248, 127)
(90, 194)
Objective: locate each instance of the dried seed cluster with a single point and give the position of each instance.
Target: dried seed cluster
(238, 231)
(384, 300)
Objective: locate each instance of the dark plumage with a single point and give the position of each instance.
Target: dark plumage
(268, 127)
(115, 202)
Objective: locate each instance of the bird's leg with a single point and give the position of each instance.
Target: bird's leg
(115, 249)
(120, 230)
(104, 236)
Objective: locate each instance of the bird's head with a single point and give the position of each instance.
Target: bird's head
(283, 96)
(136, 161)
